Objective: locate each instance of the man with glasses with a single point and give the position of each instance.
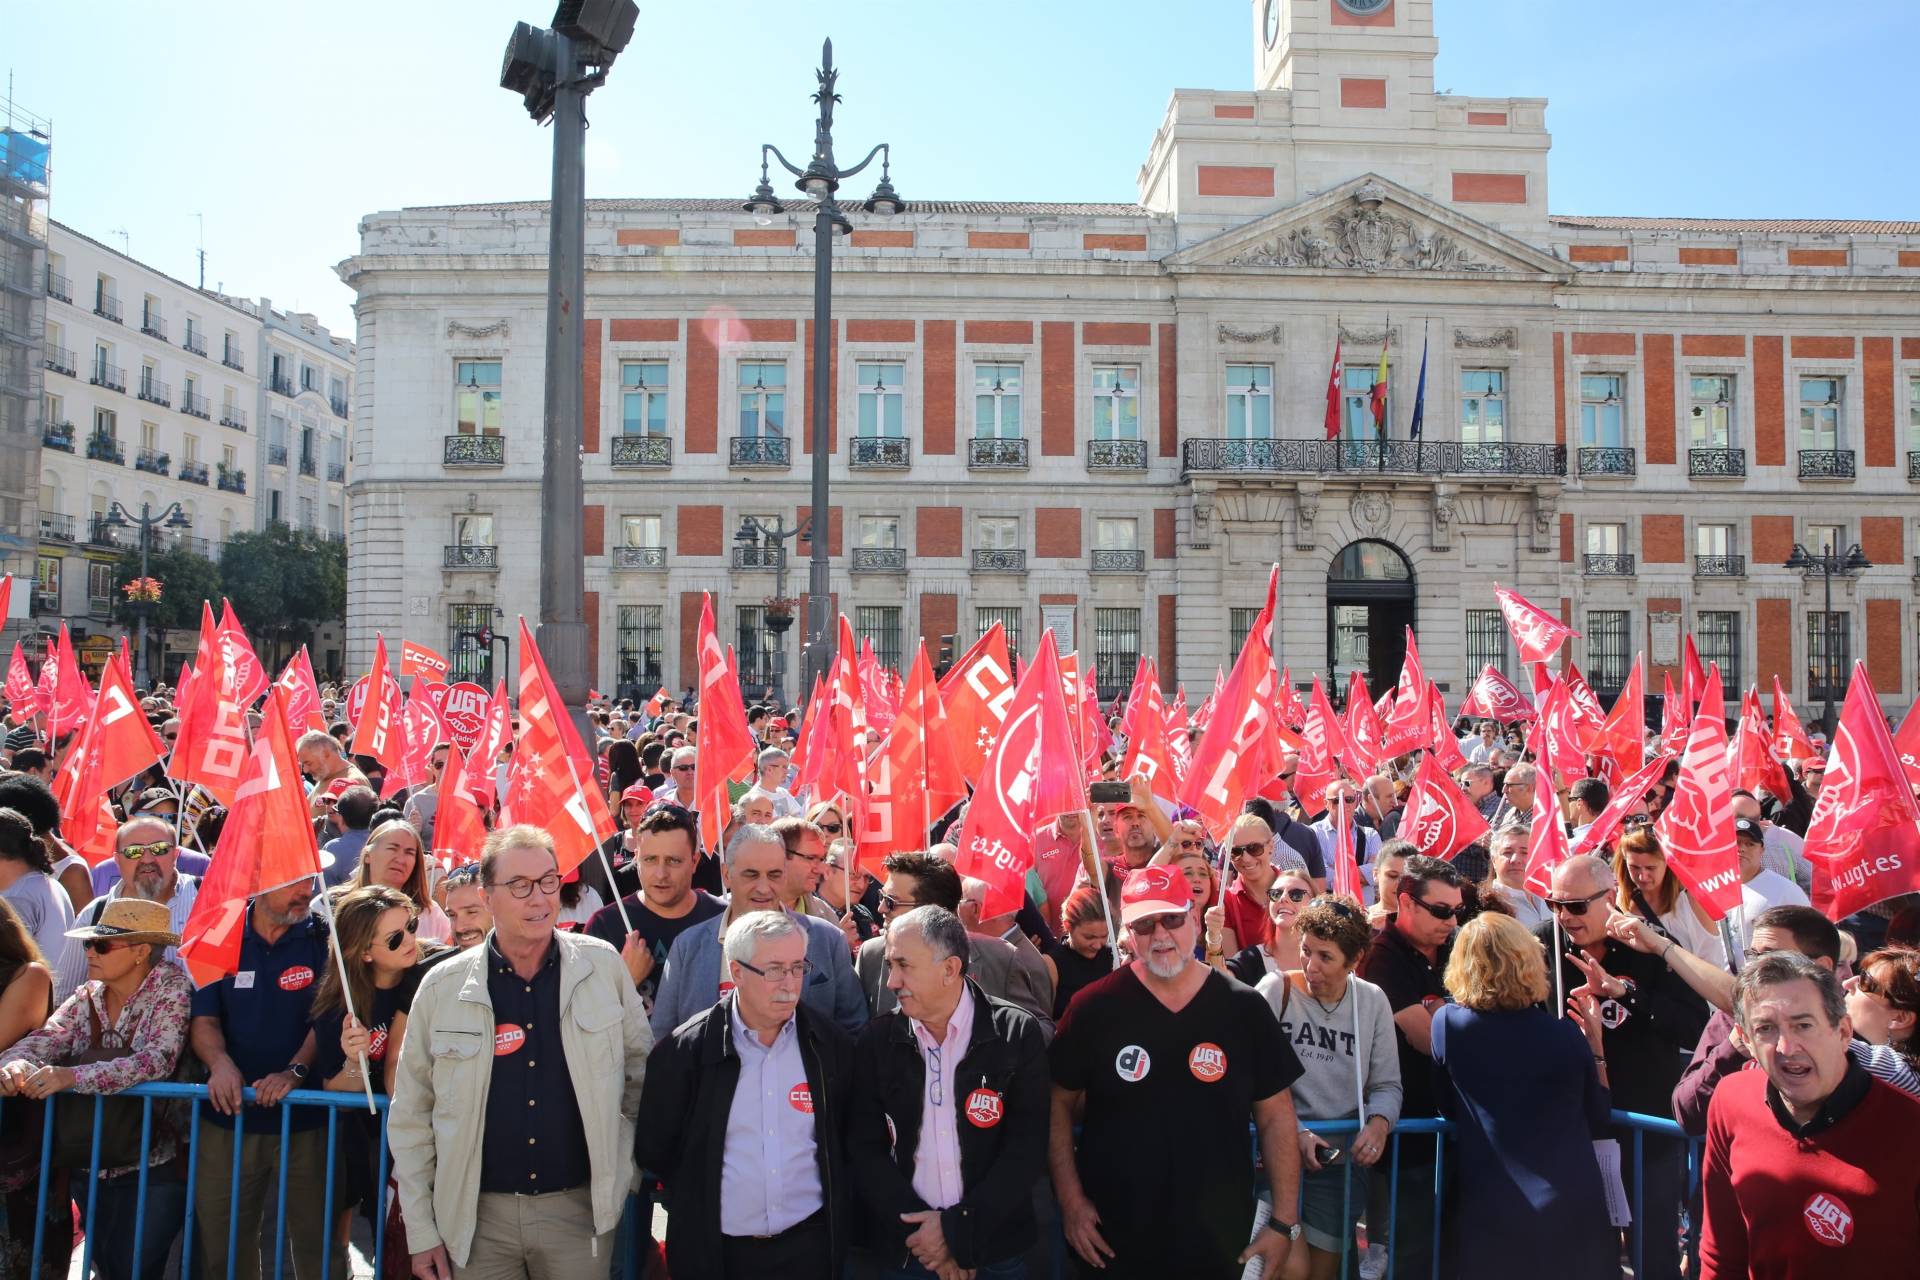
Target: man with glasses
(755, 872)
(1650, 1022)
(744, 1118)
(924, 880)
(1366, 841)
(1477, 780)
(510, 1123)
(679, 774)
(424, 801)
(1516, 798)
(806, 867)
(843, 871)
(145, 858)
(1407, 961)
(1159, 1065)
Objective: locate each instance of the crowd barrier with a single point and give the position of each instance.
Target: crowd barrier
(1635, 1129)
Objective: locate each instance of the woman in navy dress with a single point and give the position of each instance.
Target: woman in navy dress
(1527, 1094)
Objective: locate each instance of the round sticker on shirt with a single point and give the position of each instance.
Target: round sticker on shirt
(507, 1038)
(1829, 1219)
(1430, 1003)
(1132, 1064)
(1208, 1062)
(985, 1108)
(377, 1044)
(800, 1098)
(298, 978)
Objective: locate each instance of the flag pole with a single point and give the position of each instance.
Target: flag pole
(1385, 338)
(1090, 855)
(1559, 969)
(346, 994)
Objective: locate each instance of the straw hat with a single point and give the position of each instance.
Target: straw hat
(131, 920)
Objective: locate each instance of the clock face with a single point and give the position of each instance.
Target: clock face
(1273, 22)
(1363, 8)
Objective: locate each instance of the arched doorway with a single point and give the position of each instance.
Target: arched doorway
(1370, 606)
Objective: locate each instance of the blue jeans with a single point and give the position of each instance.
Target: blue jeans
(1011, 1269)
(116, 1254)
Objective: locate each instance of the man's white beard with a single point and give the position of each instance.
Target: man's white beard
(1168, 968)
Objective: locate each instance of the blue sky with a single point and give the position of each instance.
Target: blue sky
(285, 122)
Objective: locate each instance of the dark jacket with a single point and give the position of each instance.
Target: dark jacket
(682, 1130)
(1000, 1160)
(1714, 1059)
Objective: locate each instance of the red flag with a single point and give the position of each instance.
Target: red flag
(1696, 827)
(418, 660)
(1333, 394)
(1588, 717)
(1363, 727)
(1095, 737)
(381, 732)
(846, 772)
(71, 696)
(808, 758)
(725, 743)
(1906, 743)
(1537, 634)
(1693, 676)
(1497, 698)
(302, 693)
(1624, 800)
(1321, 745)
(114, 744)
(1030, 777)
(1445, 747)
(1286, 700)
(1235, 757)
(874, 692)
(1344, 874)
(1406, 726)
(48, 680)
(914, 775)
(495, 733)
(19, 690)
(458, 827)
(249, 678)
(1179, 736)
(1711, 701)
(1790, 741)
(1547, 840)
(1755, 768)
(1129, 716)
(1623, 732)
(1440, 819)
(1558, 735)
(421, 727)
(212, 747)
(1148, 751)
(550, 783)
(267, 843)
(1864, 840)
(1676, 718)
(976, 693)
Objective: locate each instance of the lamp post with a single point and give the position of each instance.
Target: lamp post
(753, 534)
(173, 517)
(1829, 564)
(819, 180)
(554, 71)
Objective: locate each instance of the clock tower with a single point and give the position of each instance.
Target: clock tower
(1346, 55)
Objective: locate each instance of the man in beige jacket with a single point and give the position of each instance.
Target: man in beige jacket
(511, 1123)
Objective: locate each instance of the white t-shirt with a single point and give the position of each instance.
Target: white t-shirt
(1768, 889)
(47, 913)
(1683, 926)
(1529, 908)
(580, 913)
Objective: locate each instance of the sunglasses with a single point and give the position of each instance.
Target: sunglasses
(1147, 926)
(158, 849)
(1575, 906)
(1863, 982)
(1248, 850)
(682, 768)
(1441, 910)
(832, 828)
(101, 946)
(1295, 894)
(399, 936)
(890, 903)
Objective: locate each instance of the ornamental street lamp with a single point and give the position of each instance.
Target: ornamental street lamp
(819, 180)
(173, 517)
(753, 535)
(1829, 564)
(554, 71)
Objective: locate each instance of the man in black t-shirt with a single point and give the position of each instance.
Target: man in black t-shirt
(667, 904)
(1162, 1062)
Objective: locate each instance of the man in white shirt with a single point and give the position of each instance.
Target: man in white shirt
(774, 764)
(1366, 841)
(679, 774)
(1480, 750)
(1759, 888)
(1510, 872)
(1589, 797)
(1781, 848)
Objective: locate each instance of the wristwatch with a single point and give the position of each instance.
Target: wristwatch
(1290, 1229)
(298, 1070)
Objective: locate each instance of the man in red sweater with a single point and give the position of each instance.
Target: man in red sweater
(1809, 1168)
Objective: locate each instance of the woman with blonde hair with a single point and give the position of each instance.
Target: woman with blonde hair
(1505, 1067)
(395, 856)
(1649, 889)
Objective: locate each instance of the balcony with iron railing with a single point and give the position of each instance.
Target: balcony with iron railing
(102, 447)
(474, 451)
(308, 467)
(879, 453)
(1719, 566)
(1604, 461)
(1129, 560)
(231, 357)
(990, 454)
(464, 556)
(987, 560)
(879, 560)
(1116, 455)
(154, 391)
(1716, 464)
(1913, 465)
(193, 472)
(56, 528)
(152, 461)
(758, 557)
(58, 286)
(276, 455)
(772, 453)
(280, 384)
(189, 542)
(1826, 464)
(195, 342)
(196, 404)
(1597, 564)
(107, 307)
(102, 532)
(233, 416)
(1403, 457)
(60, 360)
(110, 376)
(338, 404)
(637, 450)
(639, 557)
(336, 472)
(153, 325)
(231, 481)
(57, 435)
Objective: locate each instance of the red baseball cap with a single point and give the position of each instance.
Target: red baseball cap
(778, 723)
(337, 788)
(1153, 891)
(638, 791)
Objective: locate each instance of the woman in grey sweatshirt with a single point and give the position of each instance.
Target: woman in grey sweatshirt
(1341, 1029)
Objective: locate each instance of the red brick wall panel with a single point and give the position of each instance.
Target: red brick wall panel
(936, 533)
(1603, 344)
(999, 333)
(803, 546)
(1168, 653)
(1773, 645)
(1814, 347)
(882, 240)
(1559, 388)
(1163, 536)
(644, 330)
(703, 388)
(1769, 401)
(699, 531)
(1056, 533)
(1230, 111)
(895, 331)
(1244, 181)
(763, 238)
(1057, 369)
(1657, 371)
(1772, 540)
(1490, 188)
(1169, 391)
(594, 530)
(590, 607)
(1097, 333)
(939, 616)
(590, 387)
(690, 639)
(1119, 243)
(1496, 119)
(1876, 371)
(1566, 537)
(999, 240)
(1883, 645)
(1882, 540)
(833, 391)
(1363, 92)
(1719, 345)
(1817, 257)
(656, 236)
(939, 368)
(1663, 539)
(1709, 257)
(1596, 253)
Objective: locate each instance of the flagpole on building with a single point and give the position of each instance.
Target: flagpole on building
(1386, 336)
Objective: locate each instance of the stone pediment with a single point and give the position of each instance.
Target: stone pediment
(1370, 225)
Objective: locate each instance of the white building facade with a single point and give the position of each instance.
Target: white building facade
(1109, 419)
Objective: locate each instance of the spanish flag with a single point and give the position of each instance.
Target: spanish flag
(1380, 390)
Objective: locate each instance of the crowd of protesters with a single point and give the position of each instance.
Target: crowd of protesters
(819, 1068)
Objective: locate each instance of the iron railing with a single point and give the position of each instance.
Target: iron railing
(1826, 464)
(152, 461)
(195, 342)
(639, 557)
(107, 307)
(1607, 565)
(641, 451)
(1607, 461)
(194, 403)
(339, 406)
(60, 360)
(231, 481)
(470, 557)
(992, 561)
(1119, 561)
(759, 557)
(233, 416)
(281, 384)
(1716, 463)
(1913, 465)
(759, 451)
(153, 326)
(110, 376)
(1116, 455)
(308, 467)
(990, 454)
(102, 532)
(879, 559)
(58, 286)
(336, 472)
(58, 435)
(56, 528)
(102, 447)
(1417, 457)
(154, 391)
(879, 453)
(233, 359)
(193, 472)
(1720, 566)
(474, 451)
(276, 455)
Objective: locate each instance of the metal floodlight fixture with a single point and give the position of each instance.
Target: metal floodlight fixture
(885, 201)
(748, 533)
(841, 227)
(530, 68)
(116, 517)
(607, 25)
(763, 201)
(1856, 560)
(1798, 559)
(178, 520)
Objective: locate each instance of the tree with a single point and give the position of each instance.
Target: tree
(283, 583)
(186, 578)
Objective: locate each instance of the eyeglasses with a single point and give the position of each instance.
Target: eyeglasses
(1511, 786)
(1191, 842)
(399, 936)
(780, 972)
(806, 857)
(832, 828)
(1441, 910)
(135, 852)
(936, 1085)
(1248, 850)
(682, 768)
(101, 946)
(522, 887)
(1575, 906)
(1295, 894)
(1147, 926)
(890, 903)
(1863, 982)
